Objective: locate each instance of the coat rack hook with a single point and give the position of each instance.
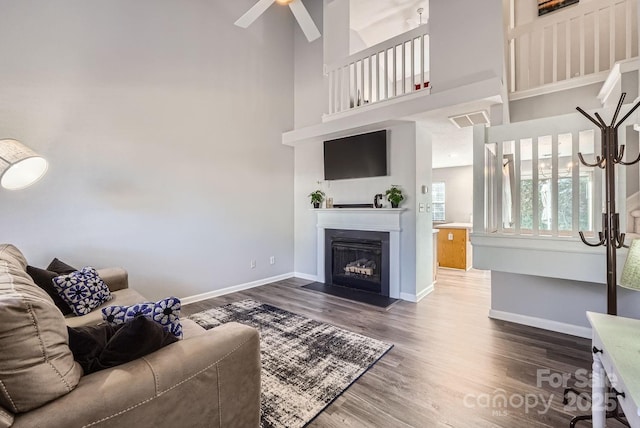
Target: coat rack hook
(636, 160)
(628, 114)
(620, 155)
(600, 235)
(585, 114)
(615, 115)
(585, 163)
(602, 122)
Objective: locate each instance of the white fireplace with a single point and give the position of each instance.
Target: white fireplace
(368, 219)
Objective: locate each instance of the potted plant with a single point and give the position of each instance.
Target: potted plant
(317, 197)
(394, 195)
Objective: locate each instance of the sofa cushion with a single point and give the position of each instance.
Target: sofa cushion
(102, 346)
(82, 290)
(60, 267)
(44, 279)
(165, 312)
(36, 364)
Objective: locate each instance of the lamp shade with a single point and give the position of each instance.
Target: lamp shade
(20, 166)
(631, 271)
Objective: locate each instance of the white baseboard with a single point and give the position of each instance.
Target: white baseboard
(560, 327)
(424, 293)
(235, 288)
(415, 298)
(306, 276)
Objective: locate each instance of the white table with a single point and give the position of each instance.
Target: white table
(616, 357)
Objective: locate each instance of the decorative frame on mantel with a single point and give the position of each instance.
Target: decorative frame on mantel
(546, 6)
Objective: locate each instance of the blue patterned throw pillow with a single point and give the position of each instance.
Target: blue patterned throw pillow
(82, 290)
(165, 312)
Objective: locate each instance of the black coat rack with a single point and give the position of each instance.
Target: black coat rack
(611, 154)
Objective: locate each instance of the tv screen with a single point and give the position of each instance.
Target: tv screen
(358, 156)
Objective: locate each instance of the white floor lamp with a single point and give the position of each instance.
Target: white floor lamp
(20, 166)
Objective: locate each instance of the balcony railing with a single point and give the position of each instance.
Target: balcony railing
(393, 68)
(583, 40)
(533, 182)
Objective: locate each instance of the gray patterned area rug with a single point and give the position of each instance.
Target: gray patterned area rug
(306, 364)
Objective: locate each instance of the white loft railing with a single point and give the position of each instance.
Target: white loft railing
(390, 69)
(531, 182)
(583, 40)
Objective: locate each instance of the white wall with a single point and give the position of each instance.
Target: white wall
(458, 192)
(402, 141)
(336, 31)
(424, 219)
(467, 39)
(311, 99)
(162, 124)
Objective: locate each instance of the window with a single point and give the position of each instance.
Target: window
(437, 200)
(565, 204)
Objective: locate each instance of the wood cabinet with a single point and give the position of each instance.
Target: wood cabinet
(454, 246)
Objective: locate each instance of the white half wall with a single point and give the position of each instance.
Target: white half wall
(557, 300)
(162, 124)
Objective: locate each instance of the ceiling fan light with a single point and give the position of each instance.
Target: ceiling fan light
(284, 2)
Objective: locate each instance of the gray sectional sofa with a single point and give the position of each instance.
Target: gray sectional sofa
(211, 378)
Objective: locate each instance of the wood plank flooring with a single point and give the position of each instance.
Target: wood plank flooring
(451, 365)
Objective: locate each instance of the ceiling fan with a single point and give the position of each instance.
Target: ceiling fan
(299, 11)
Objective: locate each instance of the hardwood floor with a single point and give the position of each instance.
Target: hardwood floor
(451, 365)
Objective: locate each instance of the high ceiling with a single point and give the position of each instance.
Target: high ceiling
(379, 20)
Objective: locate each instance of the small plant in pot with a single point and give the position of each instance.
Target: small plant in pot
(394, 195)
(317, 197)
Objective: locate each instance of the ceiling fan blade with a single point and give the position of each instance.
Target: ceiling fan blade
(252, 14)
(304, 19)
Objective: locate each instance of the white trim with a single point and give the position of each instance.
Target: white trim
(306, 276)
(574, 82)
(424, 293)
(234, 288)
(560, 327)
(610, 84)
(408, 297)
(387, 220)
(415, 298)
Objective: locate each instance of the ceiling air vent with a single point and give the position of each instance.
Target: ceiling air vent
(470, 119)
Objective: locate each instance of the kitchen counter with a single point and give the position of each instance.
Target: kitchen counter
(455, 226)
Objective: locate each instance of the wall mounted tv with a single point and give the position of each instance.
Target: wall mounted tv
(358, 156)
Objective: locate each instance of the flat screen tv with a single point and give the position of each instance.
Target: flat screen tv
(358, 156)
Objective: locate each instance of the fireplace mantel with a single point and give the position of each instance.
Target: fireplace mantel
(372, 219)
(375, 219)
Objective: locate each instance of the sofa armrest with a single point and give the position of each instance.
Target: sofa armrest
(116, 278)
(209, 380)
(6, 418)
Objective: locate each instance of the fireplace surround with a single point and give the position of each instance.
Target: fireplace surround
(363, 219)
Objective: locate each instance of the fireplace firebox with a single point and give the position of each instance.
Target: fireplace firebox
(357, 259)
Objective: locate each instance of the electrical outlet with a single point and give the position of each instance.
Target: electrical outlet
(272, 260)
(253, 264)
